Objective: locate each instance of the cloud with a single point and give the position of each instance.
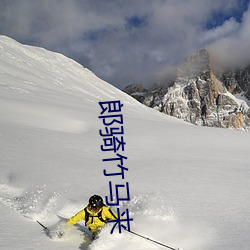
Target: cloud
(233, 49)
(228, 28)
(121, 41)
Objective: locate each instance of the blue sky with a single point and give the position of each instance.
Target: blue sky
(218, 17)
(131, 41)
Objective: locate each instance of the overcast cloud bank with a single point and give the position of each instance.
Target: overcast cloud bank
(135, 41)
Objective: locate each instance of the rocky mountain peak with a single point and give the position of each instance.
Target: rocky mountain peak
(200, 96)
(196, 64)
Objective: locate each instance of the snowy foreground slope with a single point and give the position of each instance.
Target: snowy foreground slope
(189, 186)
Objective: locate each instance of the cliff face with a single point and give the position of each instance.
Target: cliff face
(201, 97)
(237, 81)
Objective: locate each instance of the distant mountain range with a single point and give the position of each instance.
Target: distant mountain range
(201, 94)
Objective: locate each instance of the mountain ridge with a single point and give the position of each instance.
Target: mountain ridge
(201, 95)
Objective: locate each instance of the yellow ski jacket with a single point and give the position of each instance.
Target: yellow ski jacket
(93, 223)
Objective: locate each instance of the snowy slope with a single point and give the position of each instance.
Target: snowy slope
(189, 185)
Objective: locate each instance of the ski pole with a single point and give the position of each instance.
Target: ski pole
(45, 228)
(146, 238)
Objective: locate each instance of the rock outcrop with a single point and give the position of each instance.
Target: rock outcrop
(199, 96)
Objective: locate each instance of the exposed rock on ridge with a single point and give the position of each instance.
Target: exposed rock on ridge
(201, 97)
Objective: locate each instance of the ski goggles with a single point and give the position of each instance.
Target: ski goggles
(94, 208)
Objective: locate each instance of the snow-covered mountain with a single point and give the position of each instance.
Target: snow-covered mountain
(189, 185)
(201, 96)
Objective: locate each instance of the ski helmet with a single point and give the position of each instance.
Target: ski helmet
(95, 202)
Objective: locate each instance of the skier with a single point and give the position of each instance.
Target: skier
(96, 214)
